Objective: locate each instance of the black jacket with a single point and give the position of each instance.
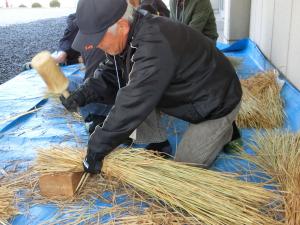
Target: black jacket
(166, 65)
(65, 43)
(156, 7)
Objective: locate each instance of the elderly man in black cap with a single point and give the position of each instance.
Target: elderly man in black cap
(155, 65)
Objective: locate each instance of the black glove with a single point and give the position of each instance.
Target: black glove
(75, 100)
(91, 164)
(97, 120)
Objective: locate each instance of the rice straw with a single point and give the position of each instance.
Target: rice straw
(262, 106)
(155, 215)
(59, 160)
(208, 197)
(10, 118)
(81, 209)
(7, 209)
(278, 154)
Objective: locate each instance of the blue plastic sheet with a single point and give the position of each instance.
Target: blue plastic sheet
(52, 124)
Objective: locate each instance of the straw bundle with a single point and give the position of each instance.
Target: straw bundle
(65, 159)
(262, 106)
(7, 209)
(208, 197)
(278, 153)
(58, 160)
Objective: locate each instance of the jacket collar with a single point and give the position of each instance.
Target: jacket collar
(138, 15)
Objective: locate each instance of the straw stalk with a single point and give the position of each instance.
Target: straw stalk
(7, 209)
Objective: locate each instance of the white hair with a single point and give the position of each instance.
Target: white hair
(128, 15)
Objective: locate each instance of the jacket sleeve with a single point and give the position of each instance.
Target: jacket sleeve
(156, 7)
(162, 8)
(150, 75)
(200, 16)
(101, 88)
(65, 43)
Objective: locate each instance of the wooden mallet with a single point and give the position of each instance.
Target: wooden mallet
(46, 66)
(57, 83)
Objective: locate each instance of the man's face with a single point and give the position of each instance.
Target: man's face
(135, 3)
(115, 39)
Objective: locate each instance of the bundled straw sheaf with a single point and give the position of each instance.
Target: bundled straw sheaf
(262, 106)
(208, 197)
(61, 159)
(278, 154)
(7, 209)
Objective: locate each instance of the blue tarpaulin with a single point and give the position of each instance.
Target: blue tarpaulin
(50, 124)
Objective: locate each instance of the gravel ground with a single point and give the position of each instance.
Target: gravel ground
(19, 43)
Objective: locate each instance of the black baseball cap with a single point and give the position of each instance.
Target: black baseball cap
(94, 17)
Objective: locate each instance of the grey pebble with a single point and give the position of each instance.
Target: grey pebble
(20, 42)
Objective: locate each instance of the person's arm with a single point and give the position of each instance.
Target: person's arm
(162, 8)
(200, 16)
(156, 7)
(60, 57)
(102, 89)
(150, 76)
(65, 43)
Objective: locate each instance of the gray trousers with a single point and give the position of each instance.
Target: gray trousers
(200, 144)
(151, 130)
